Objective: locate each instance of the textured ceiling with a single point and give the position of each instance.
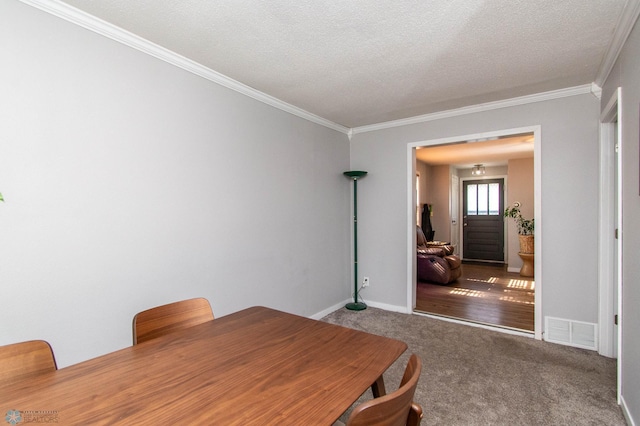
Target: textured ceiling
(362, 62)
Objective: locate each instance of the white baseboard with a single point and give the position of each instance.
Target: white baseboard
(384, 306)
(387, 307)
(625, 411)
(512, 269)
(329, 310)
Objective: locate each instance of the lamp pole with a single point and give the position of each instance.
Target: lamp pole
(355, 305)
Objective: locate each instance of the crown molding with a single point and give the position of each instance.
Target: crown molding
(596, 90)
(92, 23)
(522, 100)
(625, 24)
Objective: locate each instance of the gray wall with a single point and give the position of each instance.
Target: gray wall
(626, 74)
(131, 183)
(569, 149)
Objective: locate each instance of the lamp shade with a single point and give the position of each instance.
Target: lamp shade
(355, 173)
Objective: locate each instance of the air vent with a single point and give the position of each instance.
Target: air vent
(571, 333)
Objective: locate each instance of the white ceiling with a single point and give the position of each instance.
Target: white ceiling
(361, 62)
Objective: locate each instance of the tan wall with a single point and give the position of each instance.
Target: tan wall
(489, 171)
(435, 190)
(439, 196)
(519, 188)
(425, 175)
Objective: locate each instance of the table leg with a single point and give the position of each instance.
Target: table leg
(378, 387)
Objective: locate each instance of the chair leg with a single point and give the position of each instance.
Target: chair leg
(415, 415)
(377, 388)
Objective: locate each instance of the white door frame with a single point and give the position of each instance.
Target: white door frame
(454, 209)
(537, 183)
(610, 266)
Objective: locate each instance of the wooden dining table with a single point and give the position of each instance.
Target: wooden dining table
(258, 366)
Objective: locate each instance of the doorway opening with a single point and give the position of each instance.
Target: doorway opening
(446, 188)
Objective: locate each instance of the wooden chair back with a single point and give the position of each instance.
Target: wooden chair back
(394, 409)
(168, 318)
(24, 360)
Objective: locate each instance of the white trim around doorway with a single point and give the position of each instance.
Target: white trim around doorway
(411, 220)
(610, 247)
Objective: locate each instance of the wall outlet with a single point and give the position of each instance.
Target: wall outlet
(365, 282)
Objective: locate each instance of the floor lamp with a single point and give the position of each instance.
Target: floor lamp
(355, 305)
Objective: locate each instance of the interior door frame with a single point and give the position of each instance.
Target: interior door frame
(537, 182)
(454, 225)
(610, 266)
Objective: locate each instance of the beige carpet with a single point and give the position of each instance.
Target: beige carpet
(473, 376)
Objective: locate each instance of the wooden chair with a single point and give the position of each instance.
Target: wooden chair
(165, 319)
(24, 360)
(394, 409)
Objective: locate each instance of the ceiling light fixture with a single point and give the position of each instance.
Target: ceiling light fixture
(477, 170)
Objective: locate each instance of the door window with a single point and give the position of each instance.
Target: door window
(483, 199)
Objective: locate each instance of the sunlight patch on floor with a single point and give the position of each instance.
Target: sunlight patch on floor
(491, 280)
(466, 292)
(515, 300)
(518, 292)
(522, 284)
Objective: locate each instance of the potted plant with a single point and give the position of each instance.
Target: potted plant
(525, 227)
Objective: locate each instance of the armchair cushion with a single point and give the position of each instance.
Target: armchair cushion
(453, 261)
(433, 269)
(433, 251)
(436, 263)
(439, 270)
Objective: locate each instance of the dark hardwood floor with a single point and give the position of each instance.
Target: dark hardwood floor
(485, 294)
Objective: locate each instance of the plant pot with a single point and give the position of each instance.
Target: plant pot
(527, 269)
(526, 244)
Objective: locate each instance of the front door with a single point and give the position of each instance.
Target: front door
(483, 221)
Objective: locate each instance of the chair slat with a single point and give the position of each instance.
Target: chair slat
(168, 318)
(394, 409)
(24, 360)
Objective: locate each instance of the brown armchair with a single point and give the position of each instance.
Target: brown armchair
(436, 263)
